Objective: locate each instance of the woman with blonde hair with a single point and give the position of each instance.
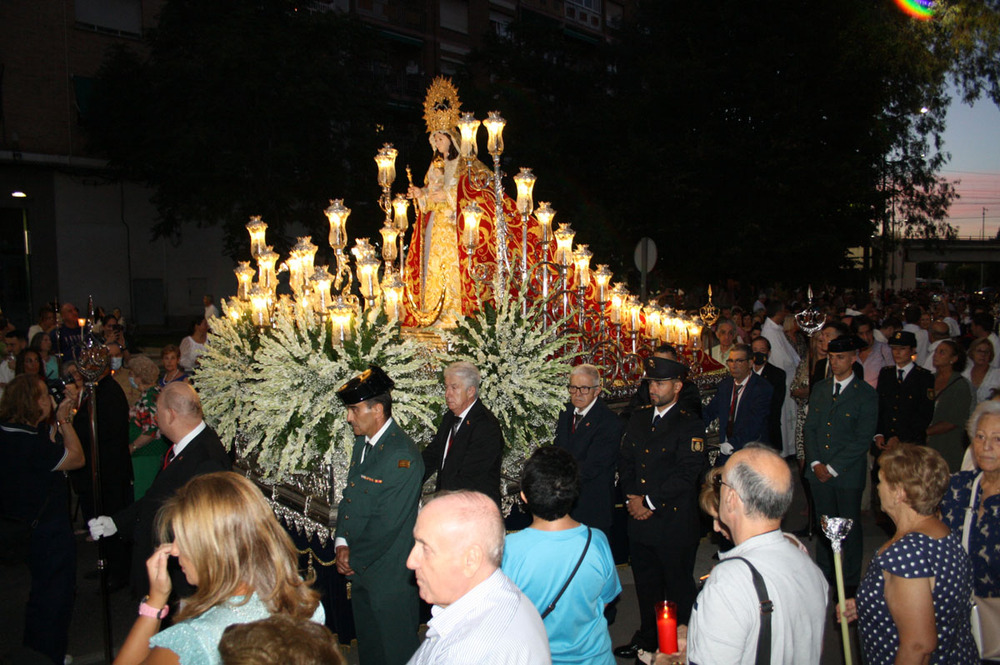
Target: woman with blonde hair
(242, 562)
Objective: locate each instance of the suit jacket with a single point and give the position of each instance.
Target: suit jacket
(379, 508)
(473, 461)
(839, 432)
(905, 409)
(664, 463)
(594, 445)
(203, 454)
(751, 422)
(776, 377)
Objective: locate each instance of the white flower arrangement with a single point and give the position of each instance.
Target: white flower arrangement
(275, 390)
(524, 370)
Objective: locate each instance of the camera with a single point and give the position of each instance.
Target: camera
(57, 388)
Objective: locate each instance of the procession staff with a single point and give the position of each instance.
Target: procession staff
(375, 521)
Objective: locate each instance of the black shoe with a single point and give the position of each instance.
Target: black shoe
(630, 650)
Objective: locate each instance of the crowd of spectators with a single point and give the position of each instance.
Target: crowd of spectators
(879, 397)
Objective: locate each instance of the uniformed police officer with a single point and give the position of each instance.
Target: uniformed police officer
(905, 404)
(375, 521)
(838, 431)
(662, 458)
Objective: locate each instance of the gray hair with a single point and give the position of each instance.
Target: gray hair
(466, 372)
(757, 491)
(719, 323)
(590, 370)
(988, 408)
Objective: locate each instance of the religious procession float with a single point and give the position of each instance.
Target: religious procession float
(479, 276)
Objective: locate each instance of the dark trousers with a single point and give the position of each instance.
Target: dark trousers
(386, 621)
(664, 571)
(53, 589)
(839, 502)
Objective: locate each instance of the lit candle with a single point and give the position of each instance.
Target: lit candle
(666, 626)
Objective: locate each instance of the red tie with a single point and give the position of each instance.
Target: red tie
(732, 410)
(168, 458)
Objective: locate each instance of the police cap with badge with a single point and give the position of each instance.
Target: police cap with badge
(903, 338)
(663, 369)
(370, 383)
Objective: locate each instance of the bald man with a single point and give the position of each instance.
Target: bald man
(755, 492)
(196, 450)
(478, 614)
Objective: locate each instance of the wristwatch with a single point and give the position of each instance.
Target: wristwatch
(146, 610)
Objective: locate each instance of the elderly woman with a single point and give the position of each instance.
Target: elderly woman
(145, 443)
(35, 449)
(171, 358)
(913, 603)
(243, 563)
(952, 402)
(984, 527)
(984, 379)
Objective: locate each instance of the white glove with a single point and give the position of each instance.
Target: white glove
(102, 527)
(726, 448)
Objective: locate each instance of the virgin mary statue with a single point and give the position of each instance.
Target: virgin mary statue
(438, 273)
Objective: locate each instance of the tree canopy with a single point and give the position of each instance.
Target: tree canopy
(756, 141)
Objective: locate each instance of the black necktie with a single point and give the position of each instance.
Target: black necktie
(577, 417)
(656, 419)
(900, 376)
(367, 449)
(836, 390)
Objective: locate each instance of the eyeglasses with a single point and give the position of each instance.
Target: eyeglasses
(583, 390)
(719, 482)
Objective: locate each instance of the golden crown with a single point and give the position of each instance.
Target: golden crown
(441, 106)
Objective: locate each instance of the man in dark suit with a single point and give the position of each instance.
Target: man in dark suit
(741, 404)
(592, 433)
(662, 458)
(467, 450)
(196, 450)
(375, 521)
(776, 377)
(905, 403)
(843, 410)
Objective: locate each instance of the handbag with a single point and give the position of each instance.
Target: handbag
(15, 537)
(552, 605)
(985, 614)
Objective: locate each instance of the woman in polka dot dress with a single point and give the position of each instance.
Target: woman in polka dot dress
(913, 603)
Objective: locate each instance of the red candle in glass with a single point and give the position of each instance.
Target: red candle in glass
(666, 626)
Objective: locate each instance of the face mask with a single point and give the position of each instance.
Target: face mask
(759, 358)
(131, 382)
(116, 363)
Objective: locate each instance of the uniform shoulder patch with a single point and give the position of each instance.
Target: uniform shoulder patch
(697, 445)
(403, 464)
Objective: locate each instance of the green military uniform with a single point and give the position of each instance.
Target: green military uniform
(838, 432)
(375, 517)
